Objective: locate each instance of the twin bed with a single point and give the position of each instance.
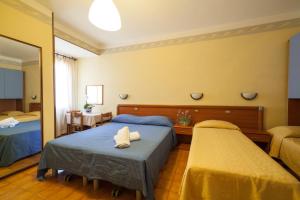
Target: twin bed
(285, 146)
(223, 163)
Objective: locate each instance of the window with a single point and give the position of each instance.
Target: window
(94, 94)
(65, 90)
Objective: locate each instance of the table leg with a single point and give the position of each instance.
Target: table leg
(95, 184)
(84, 181)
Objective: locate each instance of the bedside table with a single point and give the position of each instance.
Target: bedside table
(183, 133)
(260, 137)
(183, 130)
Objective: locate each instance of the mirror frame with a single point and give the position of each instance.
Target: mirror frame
(41, 88)
(102, 94)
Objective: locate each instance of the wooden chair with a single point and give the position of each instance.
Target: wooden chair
(74, 126)
(105, 117)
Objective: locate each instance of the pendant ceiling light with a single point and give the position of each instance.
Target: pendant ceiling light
(105, 15)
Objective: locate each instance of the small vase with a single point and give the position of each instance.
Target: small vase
(184, 123)
(88, 110)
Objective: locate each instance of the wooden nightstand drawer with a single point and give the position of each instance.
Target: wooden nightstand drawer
(183, 130)
(259, 137)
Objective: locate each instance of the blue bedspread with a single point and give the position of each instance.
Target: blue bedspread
(20, 141)
(91, 153)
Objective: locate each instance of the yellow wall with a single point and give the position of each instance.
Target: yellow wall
(220, 68)
(32, 84)
(18, 25)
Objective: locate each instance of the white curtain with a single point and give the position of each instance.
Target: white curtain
(65, 90)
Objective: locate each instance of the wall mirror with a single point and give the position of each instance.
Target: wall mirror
(20, 106)
(94, 94)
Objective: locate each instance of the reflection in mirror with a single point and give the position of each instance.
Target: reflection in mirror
(20, 106)
(94, 94)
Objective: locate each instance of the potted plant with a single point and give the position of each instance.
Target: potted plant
(88, 107)
(184, 117)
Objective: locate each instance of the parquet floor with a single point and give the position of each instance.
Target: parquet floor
(19, 165)
(24, 186)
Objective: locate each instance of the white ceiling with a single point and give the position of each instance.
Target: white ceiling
(152, 20)
(68, 49)
(20, 52)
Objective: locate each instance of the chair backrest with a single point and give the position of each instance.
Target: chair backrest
(106, 116)
(76, 114)
(73, 111)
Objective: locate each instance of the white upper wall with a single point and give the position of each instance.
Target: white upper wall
(11, 50)
(155, 20)
(68, 49)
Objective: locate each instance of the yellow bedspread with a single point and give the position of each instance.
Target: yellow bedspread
(224, 164)
(290, 153)
(2, 117)
(26, 118)
(21, 118)
(279, 133)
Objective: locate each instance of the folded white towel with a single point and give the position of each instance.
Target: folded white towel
(122, 138)
(133, 136)
(8, 123)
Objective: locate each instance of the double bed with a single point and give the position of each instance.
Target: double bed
(20, 141)
(92, 154)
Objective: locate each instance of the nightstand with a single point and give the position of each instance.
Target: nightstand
(183, 130)
(260, 137)
(183, 133)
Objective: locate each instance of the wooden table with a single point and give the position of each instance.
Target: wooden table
(89, 119)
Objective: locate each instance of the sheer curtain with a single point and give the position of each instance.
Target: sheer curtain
(65, 90)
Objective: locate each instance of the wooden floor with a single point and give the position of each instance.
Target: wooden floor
(24, 185)
(19, 165)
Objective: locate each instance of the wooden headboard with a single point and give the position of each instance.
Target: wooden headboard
(34, 107)
(246, 117)
(11, 105)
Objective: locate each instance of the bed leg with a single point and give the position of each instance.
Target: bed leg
(95, 184)
(138, 195)
(84, 181)
(54, 172)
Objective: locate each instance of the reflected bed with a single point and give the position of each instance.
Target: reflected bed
(19, 142)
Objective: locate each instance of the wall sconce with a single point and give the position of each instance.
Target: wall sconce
(196, 96)
(123, 96)
(33, 97)
(249, 95)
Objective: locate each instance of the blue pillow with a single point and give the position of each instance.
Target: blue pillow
(144, 120)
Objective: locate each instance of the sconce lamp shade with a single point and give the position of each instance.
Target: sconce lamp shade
(33, 97)
(249, 95)
(196, 95)
(123, 96)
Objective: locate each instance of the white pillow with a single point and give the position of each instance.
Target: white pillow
(286, 131)
(12, 113)
(216, 124)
